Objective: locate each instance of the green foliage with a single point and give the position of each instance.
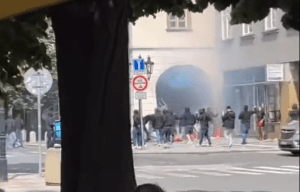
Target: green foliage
(243, 11)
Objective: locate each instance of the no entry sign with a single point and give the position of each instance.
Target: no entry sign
(140, 83)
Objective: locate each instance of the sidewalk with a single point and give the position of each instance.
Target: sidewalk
(218, 146)
(18, 182)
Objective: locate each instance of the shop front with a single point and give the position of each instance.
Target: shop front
(261, 87)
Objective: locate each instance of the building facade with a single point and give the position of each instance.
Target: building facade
(175, 44)
(245, 53)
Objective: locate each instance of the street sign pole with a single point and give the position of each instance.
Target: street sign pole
(39, 123)
(142, 123)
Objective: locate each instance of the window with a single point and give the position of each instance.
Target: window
(247, 29)
(177, 22)
(270, 20)
(226, 27)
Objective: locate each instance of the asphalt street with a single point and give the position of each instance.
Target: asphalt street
(241, 171)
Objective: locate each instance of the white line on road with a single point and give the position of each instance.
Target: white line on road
(180, 175)
(280, 169)
(258, 170)
(148, 176)
(210, 173)
(290, 166)
(44, 153)
(239, 172)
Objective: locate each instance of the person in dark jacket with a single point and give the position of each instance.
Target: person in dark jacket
(204, 119)
(211, 124)
(260, 115)
(158, 125)
(169, 127)
(245, 120)
(50, 130)
(228, 120)
(189, 122)
(137, 137)
(294, 113)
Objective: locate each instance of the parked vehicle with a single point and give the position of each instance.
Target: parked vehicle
(289, 138)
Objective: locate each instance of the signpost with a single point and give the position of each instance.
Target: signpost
(38, 83)
(140, 83)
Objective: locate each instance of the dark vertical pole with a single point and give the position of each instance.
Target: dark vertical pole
(3, 160)
(142, 123)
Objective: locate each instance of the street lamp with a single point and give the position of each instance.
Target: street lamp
(149, 65)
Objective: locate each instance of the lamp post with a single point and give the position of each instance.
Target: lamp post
(149, 65)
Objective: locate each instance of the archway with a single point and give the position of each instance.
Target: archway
(184, 86)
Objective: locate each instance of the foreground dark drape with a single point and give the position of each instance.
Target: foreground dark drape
(92, 58)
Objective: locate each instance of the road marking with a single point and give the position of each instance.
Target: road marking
(148, 176)
(239, 172)
(290, 166)
(266, 146)
(180, 175)
(275, 152)
(258, 170)
(34, 152)
(210, 173)
(280, 169)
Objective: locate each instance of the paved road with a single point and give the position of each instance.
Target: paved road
(242, 171)
(260, 171)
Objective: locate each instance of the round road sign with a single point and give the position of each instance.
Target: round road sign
(140, 83)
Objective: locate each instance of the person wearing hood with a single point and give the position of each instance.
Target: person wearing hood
(204, 119)
(228, 120)
(189, 122)
(169, 127)
(158, 125)
(245, 120)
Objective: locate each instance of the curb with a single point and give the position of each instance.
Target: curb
(205, 152)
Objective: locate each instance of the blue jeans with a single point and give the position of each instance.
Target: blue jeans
(245, 129)
(137, 137)
(160, 136)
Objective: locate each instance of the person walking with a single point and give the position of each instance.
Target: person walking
(158, 124)
(245, 120)
(169, 124)
(136, 130)
(11, 135)
(228, 120)
(19, 125)
(260, 123)
(204, 119)
(50, 131)
(211, 123)
(189, 122)
(148, 119)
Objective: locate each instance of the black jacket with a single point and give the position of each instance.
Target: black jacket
(211, 115)
(245, 116)
(169, 119)
(204, 118)
(136, 122)
(188, 118)
(294, 115)
(229, 120)
(158, 121)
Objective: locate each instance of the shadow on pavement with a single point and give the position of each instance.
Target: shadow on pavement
(289, 155)
(24, 168)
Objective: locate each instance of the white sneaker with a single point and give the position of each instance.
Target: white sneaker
(230, 145)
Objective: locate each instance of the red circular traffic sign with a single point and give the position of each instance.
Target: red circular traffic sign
(140, 83)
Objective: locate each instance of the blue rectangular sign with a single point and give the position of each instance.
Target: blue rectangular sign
(138, 65)
(58, 129)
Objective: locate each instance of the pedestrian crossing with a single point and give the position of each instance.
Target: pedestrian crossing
(195, 171)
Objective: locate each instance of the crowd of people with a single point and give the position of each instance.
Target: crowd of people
(164, 125)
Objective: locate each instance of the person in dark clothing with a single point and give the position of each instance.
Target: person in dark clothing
(189, 122)
(169, 127)
(204, 119)
(146, 119)
(260, 117)
(228, 120)
(294, 113)
(158, 125)
(137, 136)
(211, 124)
(245, 120)
(19, 125)
(50, 130)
